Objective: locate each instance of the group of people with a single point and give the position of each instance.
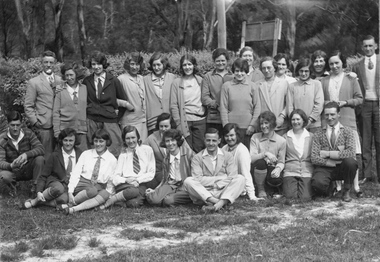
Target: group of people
(165, 140)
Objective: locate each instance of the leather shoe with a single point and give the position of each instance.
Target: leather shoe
(346, 196)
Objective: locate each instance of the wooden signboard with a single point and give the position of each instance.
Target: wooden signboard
(262, 31)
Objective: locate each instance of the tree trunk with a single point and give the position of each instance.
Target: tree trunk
(291, 27)
(58, 41)
(24, 14)
(81, 30)
(210, 37)
(39, 26)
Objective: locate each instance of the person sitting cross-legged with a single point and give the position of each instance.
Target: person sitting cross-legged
(53, 181)
(176, 168)
(21, 153)
(333, 155)
(215, 180)
(90, 183)
(135, 167)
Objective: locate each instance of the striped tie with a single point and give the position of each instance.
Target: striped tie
(69, 169)
(75, 98)
(95, 172)
(136, 163)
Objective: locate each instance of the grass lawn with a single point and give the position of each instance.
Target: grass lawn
(321, 230)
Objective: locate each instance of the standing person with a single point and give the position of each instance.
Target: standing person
(214, 180)
(319, 62)
(104, 95)
(239, 101)
(90, 183)
(333, 154)
(346, 92)
(53, 181)
(157, 89)
(70, 105)
(267, 156)
(212, 86)
(298, 167)
(133, 85)
(283, 64)
(135, 167)
(368, 71)
(39, 100)
(176, 168)
(21, 154)
(306, 94)
(254, 74)
(185, 103)
(272, 94)
(241, 156)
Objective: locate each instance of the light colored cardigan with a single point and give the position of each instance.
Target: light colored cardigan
(294, 164)
(155, 107)
(177, 104)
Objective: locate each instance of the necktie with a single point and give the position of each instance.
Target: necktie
(99, 87)
(136, 163)
(75, 98)
(332, 137)
(51, 80)
(95, 172)
(370, 64)
(69, 168)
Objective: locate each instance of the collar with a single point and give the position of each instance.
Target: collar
(245, 82)
(71, 90)
(156, 78)
(272, 138)
(336, 127)
(48, 76)
(307, 82)
(372, 57)
(95, 155)
(214, 72)
(205, 152)
(304, 134)
(102, 77)
(20, 136)
(172, 158)
(133, 79)
(68, 155)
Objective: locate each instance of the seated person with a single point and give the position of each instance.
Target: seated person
(21, 153)
(267, 156)
(135, 167)
(241, 156)
(164, 122)
(176, 168)
(90, 181)
(53, 181)
(298, 167)
(333, 155)
(215, 180)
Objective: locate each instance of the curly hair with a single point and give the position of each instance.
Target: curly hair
(174, 134)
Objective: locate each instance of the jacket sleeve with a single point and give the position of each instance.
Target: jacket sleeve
(318, 101)
(29, 104)
(256, 107)
(56, 114)
(316, 149)
(118, 172)
(357, 98)
(4, 165)
(46, 172)
(148, 174)
(224, 104)
(37, 149)
(290, 99)
(206, 94)
(174, 104)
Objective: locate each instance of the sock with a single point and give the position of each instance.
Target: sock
(260, 176)
(90, 203)
(113, 199)
(34, 202)
(81, 197)
(31, 203)
(338, 185)
(356, 182)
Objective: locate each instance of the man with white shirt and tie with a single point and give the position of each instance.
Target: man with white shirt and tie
(53, 181)
(333, 155)
(104, 95)
(39, 99)
(368, 71)
(70, 105)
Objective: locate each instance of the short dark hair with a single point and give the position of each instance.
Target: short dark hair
(165, 116)
(319, 53)
(302, 114)
(269, 58)
(332, 104)
(248, 48)
(172, 133)
(130, 129)
(220, 51)
(341, 57)
(228, 127)
(48, 53)
(68, 132)
(159, 56)
(192, 60)
(268, 116)
(241, 64)
(99, 58)
(71, 66)
(102, 134)
(14, 116)
(212, 130)
(369, 37)
(303, 62)
(137, 58)
(280, 56)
